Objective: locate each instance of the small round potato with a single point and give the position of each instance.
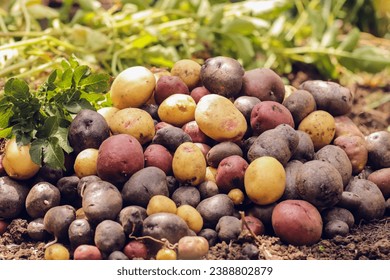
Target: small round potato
(132, 87)
(85, 163)
(300, 103)
(41, 197)
(177, 109)
(168, 85)
(191, 216)
(161, 203)
(189, 71)
(192, 247)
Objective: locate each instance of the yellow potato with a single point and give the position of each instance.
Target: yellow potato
(265, 180)
(57, 252)
(211, 174)
(237, 196)
(107, 113)
(85, 162)
(219, 119)
(191, 216)
(189, 164)
(135, 122)
(133, 87)
(17, 162)
(161, 203)
(166, 254)
(189, 71)
(320, 125)
(192, 247)
(178, 109)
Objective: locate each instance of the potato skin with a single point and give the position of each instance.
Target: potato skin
(168, 85)
(264, 84)
(378, 146)
(58, 219)
(330, 96)
(319, 183)
(230, 173)
(158, 156)
(305, 149)
(109, 236)
(356, 150)
(198, 92)
(290, 191)
(345, 126)
(177, 109)
(381, 178)
(222, 150)
(297, 222)
(193, 130)
(245, 105)
(120, 156)
(171, 137)
(269, 114)
(41, 197)
(334, 228)
(337, 213)
(213, 208)
(189, 72)
(87, 252)
(300, 103)
(12, 197)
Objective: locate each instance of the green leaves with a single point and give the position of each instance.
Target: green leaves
(42, 117)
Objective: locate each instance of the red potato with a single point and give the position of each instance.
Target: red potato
(157, 155)
(198, 92)
(381, 178)
(345, 126)
(135, 250)
(193, 130)
(355, 148)
(254, 224)
(87, 252)
(230, 173)
(204, 148)
(168, 85)
(268, 115)
(297, 222)
(3, 227)
(160, 125)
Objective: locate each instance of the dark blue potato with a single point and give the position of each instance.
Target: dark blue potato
(88, 130)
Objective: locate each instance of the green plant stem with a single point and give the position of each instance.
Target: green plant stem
(38, 69)
(21, 64)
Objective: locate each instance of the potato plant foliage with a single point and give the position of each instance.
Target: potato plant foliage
(41, 116)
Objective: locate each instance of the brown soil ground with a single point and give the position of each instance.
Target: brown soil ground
(365, 241)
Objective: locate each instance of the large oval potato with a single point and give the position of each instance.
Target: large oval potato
(213, 208)
(132, 87)
(297, 222)
(265, 180)
(219, 119)
(189, 164)
(135, 122)
(12, 197)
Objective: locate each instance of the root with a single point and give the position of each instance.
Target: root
(51, 242)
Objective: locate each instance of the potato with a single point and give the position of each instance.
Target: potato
(222, 150)
(262, 212)
(213, 208)
(330, 96)
(17, 161)
(109, 236)
(120, 156)
(222, 75)
(219, 119)
(320, 126)
(188, 71)
(132, 87)
(355, 148)
(300, 104)
(210, 235)
(345, 126)
(305, 149)
(297, 222)
(41, 197)
(193, 130)
(337, 213)
(204, 148)
(49, 174)
(177, 109)
(12, 197)
(192, 247)
(135, 250)
(319, 183)
(143, 185)
(135, 122)
(338, 158)
(191, 216)
(186, 195)
(189, 164)
(80, 232)
(36, 230)
(245, 105)
(372, 203)
(171, 137)
(269, 114)
(280, 143)
(198, 92)
(57, 252)
(230, 173)
(151, 109)
(237, 196)
(172, 184)
(228, 228)
(68, 190)
(381, 178)
(2, 170)
(378, 147)
(58, 219)
(254, 224)
(164, 225)
(265, 180)
(83, 182)
(349, 200)
(86, 162)
(101, 201)
(334, 228)
(291, 169)
(158, 156)
(208, 189)
(211, 174)
(87, 130)
(166, 254)
(87, 252)
(117, 255)
(264, 84)
(250, 252)
(131, 219)
(167, 86)
(159, 204)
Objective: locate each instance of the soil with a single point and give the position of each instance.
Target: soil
(365, 241)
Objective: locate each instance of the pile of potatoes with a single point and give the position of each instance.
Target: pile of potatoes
(198, 155)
